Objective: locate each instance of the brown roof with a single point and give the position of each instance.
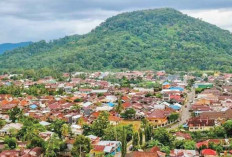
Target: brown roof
(156, 114)
(198, 121)
(215, 115)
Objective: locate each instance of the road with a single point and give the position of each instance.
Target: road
(185, 114)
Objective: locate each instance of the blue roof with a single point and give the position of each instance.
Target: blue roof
(185, 125)
(166, 83)
(175, 107)
(176, 88)
(110, 104)
(33, 106)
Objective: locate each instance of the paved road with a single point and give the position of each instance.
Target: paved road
(185, 114)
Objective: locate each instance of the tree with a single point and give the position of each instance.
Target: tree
(53, 146)
(124, 142)
(148, 132)
(115, 132)
(29, 131)
(173, 117)
(36, 142)
(119, 107)
(15, 114)
(190, 145)
(179, 144)
(129, 113)
(101, 123)
(2, 123)
(135, 141)
(165, 149)
(65, 130)
(56, 126)
(140, 137)
(11, 142)
(81, 146)
(153, 143)
(217, 147)
(217, 132)
(228, 127)
(76, 107)
(162, 135)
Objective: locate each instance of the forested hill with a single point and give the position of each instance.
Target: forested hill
(10, 46)
(149, 39)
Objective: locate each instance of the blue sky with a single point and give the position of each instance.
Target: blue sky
(34, 20)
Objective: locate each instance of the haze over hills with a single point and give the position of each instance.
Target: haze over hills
(140, 40)
(10, 46)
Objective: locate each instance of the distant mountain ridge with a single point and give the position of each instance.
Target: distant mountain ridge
(10, 46)
(159, 39)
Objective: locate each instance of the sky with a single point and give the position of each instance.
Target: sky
(34, 20)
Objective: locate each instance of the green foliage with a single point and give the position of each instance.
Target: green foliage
(135, 141)
(199, 90)
(148, 39)
(36, 141)
(101, 123)
(148, 132)
(165, 149)
(129, 113)
(190, 145)
(228, 127)
(217, 147)
(115, 133)
(81, 146)
(53, 146)
(140, 137)
(124, 142)
(2, 123)
(217, 132)
(56, 127)
(153, 143)
(15, 114)
(173, 117)
(163, 136)
(10, 142)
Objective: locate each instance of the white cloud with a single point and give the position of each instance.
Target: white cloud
(34, 20)
(219, 17)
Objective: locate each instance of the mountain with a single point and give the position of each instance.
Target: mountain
(10, 46)
(140, 40)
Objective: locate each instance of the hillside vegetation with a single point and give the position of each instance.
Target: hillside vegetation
(149, 39)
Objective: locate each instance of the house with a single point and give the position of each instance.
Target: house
(183, 153)
(76, 129)
(220, 116)
(200, 124)
(209, 153)
(114, 120)
(142, 154)
(6, 129)
(157, 116)
(46, 135)
(182, 136)
(106, 148)
(166, 85)
(222, 142)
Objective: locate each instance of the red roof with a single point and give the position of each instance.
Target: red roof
(208, 152)
(98, 148)
(126, 105)
(114, 118)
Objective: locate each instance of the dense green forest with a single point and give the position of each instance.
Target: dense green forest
(149, 39)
